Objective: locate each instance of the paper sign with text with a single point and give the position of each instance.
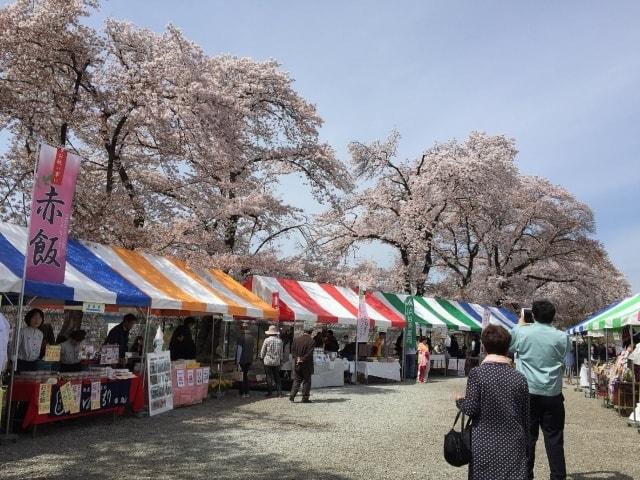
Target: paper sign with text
(88, 307)
(95, 395)
(109, 354)
(44, 399)
(68, 397)
(77, 389)
(52, 353)
(180, 378)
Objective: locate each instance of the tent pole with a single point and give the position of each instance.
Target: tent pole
(14, 349)
(144, 350)
(633, 379)
(577, 389)
(355, 361)
(14, 359)
(213, 323)
(403, 360)
(589, 374)
(606, 345)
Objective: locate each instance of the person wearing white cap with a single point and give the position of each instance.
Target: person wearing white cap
(271, 355)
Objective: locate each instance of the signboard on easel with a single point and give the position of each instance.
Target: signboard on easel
(159, 381)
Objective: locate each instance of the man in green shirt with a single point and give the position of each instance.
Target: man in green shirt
(541, 351)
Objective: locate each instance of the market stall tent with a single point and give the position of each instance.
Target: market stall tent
(615, 316)
(581, 326)
(322, 302)
(116, 276)
(449, 314)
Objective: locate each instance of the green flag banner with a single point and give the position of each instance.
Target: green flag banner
(409, 314)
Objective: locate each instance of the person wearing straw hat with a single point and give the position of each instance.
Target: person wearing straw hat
(271, 355)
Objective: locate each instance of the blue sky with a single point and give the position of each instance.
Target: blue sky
(562, 78)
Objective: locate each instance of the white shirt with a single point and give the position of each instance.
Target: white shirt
(30, 344)
(69, 352)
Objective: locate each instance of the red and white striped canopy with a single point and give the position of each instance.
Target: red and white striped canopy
(322, 302)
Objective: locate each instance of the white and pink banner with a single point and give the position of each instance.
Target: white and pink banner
(363, 319)
(51, 207)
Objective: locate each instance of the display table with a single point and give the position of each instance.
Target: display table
(328, 374)
(190, 386)
(387, 370)
(438, 361)
(115, 395)
(623, 399)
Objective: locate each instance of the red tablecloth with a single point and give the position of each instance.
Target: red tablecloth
(28, 392)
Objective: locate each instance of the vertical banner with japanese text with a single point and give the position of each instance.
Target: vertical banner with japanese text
(363, 317)
(486, 317)
(51, 207)
(409, 314)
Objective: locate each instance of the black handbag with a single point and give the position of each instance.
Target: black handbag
(457, 445)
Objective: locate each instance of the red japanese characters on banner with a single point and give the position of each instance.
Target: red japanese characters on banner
(51, 207)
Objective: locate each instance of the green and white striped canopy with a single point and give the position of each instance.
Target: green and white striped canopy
(620, 315)
(452, 315)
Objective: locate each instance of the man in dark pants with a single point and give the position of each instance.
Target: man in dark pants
(244, 357)
(541, 351)
(302, 352)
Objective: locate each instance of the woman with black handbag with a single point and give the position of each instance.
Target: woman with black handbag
(497, 401)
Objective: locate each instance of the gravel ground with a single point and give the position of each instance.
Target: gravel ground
(380, 431)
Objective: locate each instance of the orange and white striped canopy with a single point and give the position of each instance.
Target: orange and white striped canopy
(116, 276)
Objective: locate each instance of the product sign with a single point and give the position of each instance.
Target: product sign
(309, 324)
(160, 385)
(95, 395)
(190, 380)
(52, 353)
(109, 354)
(180, 378)
(44, 398)
(51, 207)
(199, 376)
(77, 392)
(68, 397)
(88, 307)
(226, 317)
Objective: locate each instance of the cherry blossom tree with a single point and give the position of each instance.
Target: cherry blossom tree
(464, 223)
(183, 150)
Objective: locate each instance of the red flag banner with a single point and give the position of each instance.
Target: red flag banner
(51, 207)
